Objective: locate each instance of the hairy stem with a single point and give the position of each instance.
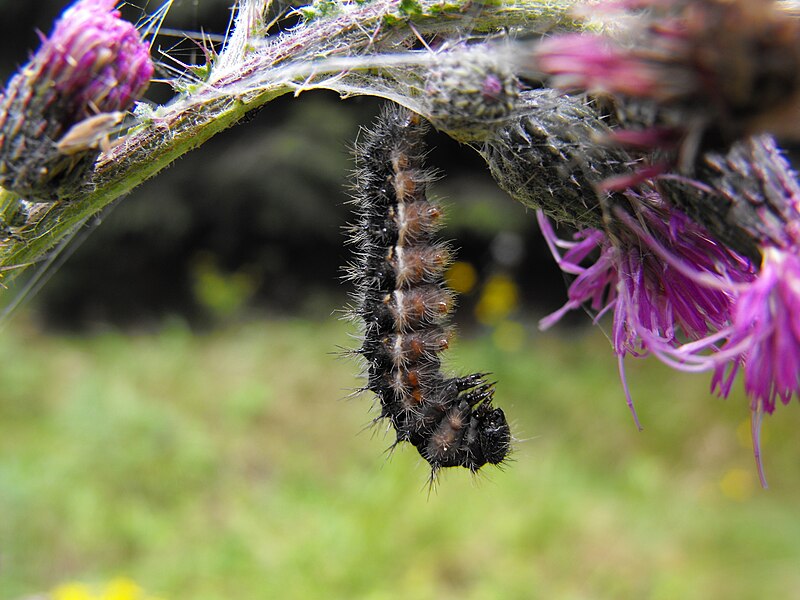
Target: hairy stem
(263, 69)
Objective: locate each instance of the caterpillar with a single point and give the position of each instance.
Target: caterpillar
(404, 305)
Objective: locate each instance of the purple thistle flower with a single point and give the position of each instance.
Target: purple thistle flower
(671, 287)
(58, 108)
(594, 285)
(765, 341)
(97, 61)
(678, 294)
(675, 283)
(767, 315)
(580, 61)
(676, 260)
(718, 70)
(693, 80)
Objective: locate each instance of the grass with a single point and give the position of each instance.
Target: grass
(227, 466)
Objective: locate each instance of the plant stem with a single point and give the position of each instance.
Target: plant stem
(268, 68)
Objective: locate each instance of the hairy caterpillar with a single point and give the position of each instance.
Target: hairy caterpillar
(405, 306)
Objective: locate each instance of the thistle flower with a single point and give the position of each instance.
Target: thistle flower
(58, 108)
(691, 80)
(767, 325)
(581, 61)
(765, 340)
(659, 303)
(700, 268)
(713, 71)
(697, 305)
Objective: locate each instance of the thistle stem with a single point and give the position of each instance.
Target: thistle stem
(266, 68)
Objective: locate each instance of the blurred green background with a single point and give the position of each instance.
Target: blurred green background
(229, 465)
(174, 420)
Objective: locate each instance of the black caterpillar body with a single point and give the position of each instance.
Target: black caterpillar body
(405, 305)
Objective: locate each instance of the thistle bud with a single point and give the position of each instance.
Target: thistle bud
(549, 156)
(748, 197)
(57, 110)
(470, 92)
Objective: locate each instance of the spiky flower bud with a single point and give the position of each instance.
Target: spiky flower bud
(469, 92)
(748, 197)
(551, 157)
(57, 110)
